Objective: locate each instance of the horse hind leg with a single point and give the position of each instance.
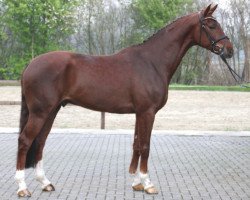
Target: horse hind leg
(30, 129)
(41, 139)
(29, 133)
(20, 173)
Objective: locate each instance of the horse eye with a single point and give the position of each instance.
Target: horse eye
(212, 25)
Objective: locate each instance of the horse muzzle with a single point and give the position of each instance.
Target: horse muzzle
(225, 51)
(228, 52)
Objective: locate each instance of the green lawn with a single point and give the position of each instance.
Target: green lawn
(210, 88)
(9, 83)
(173, 87)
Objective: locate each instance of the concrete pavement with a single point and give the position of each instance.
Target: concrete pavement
(94, 165)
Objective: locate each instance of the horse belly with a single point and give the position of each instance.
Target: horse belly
(104, 102)
(102, 96)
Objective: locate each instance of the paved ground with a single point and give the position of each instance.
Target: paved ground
(95, 166)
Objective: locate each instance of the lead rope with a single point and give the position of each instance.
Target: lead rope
(234, 74)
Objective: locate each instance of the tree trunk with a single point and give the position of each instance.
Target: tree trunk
(246, 69)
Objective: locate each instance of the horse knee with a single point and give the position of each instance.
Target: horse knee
(145, 149)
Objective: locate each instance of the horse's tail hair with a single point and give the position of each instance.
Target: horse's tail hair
(24, 114)
(31, 154)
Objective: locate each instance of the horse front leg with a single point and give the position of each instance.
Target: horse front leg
(144, 123)
(136, 185)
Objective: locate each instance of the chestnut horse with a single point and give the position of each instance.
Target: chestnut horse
(134, 80)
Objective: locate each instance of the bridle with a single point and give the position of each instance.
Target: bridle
(214, 42)
(217, 49)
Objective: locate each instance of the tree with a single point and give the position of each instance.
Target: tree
(103, 27)
(150, 16)
(240, 11)
(36, 27)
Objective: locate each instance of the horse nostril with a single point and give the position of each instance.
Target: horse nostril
(230, 52)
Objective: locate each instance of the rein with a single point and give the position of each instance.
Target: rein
(219, 50)
(240, 79)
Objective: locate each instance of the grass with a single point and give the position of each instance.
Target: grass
(238, 88)
(9, 83)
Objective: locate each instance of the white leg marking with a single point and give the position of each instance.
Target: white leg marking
(145, 180)
(136, 179)
(40, 174)
(19, 177)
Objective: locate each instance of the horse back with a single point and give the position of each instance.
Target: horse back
(95, 82)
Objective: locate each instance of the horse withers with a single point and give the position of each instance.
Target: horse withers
(134, 80)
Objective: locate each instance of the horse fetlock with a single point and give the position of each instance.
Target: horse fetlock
(149, 187)
(142, 182)
(136, 179)
(20, 179)
(43, 180)
(40, 175)
(145, 180)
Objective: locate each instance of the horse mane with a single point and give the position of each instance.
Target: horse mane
(167, 26)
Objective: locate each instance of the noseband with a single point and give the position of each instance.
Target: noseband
(214, 42)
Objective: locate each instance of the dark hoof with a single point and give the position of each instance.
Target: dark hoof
(49, 188)
(24, 193)
(138, 187)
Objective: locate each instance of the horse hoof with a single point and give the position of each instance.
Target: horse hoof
(49, 188)
(138, 187)
(24, 193)
(151, 190)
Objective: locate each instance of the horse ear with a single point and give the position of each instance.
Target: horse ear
(206, 11)
(212, 9)
(209, 10)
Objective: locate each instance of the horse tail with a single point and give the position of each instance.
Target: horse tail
(31, 154)
(24, 114)
(30, 159)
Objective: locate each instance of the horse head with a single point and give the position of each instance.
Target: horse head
(209, 34)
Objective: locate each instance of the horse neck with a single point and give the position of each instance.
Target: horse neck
(166, 49)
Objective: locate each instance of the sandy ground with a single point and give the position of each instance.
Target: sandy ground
(185, 110)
